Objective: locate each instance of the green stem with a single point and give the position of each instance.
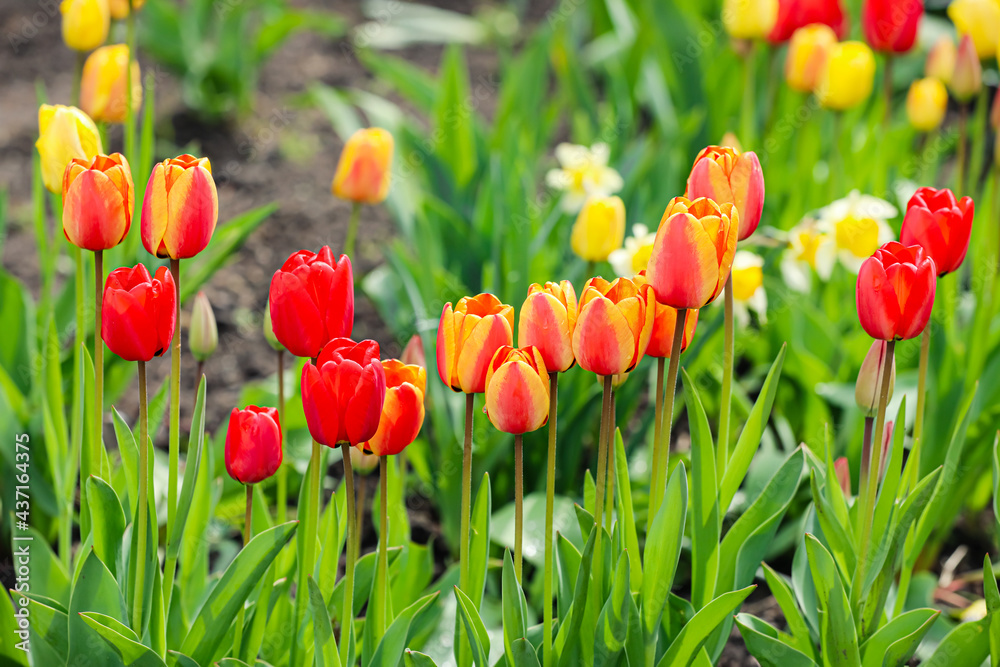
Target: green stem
(870, 485)
(283, 469)
(352, 230)
(654, 473)
(602, 471)
(241, 615)
(141, 511)
(609, 495)
(550, 493)
(347, 623)
(98, 446)
(918, 425)
(518, 504)
(728, 352)
(668, 405)
(383, 545)
(175, 401)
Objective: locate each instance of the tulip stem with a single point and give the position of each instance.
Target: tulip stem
(918, 425)
(383, 545)
(550, 493)
(602, 471)
(352, 230)
(870, 483)
(241, 615)
(654, 474)
(609, 495)
(518, 503)
(347, 623)
(97, 446)
(668, 405)
(728, 352)
(141, 509)
(282, 469)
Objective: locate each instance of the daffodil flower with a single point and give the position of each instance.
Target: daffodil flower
(859, 226)
(583, 173)
(809, 250)
(634, 257)
(748, 288)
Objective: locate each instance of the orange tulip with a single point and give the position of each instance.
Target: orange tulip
(98, 198)
(548, 318)
(181, 207)
(363, 170)
(693, 252)
(468, 337)
(403, 410)
(614, 325)
(664, 321)
(517, 390)
(727, 176)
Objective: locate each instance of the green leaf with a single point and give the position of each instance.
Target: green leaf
(764, 643)
(514, 607)
(704, 508)
(612, 624)
(692, 637)
(479, 547)
(107, 520)
(325, 653)
(122, 641)
(626, 512)
(390, 648)
(839, 639)
(95, 590)
(895, 642)
(662, 552)
(196, 444)
(479, 639)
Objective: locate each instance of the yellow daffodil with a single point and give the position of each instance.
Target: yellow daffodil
(634, 257)
(858, 225)
(583, 172)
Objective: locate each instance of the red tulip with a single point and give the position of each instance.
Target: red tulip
(253, 444)
(98, 198)
(517, 390)
(890, 26)
(795, 14)
(467, 339)
(940, 225)
(138, 313)
(181, 207)
(343, 393)
(312, 301)
(727, 176)
(664, 321)
(895, 292)
(403, 411)
(614, 325)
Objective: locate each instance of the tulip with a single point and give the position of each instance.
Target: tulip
(869, 383)
(98, 199)
(693, 252)
(362, 174)
(749, 19)
(180, 209)
(848, 76)
(403, 411)
(64, 133)
(807, 54)
(517, 390)
(599, 228)
(548, 318)
(103, 85)
(967, 79)
(794, 15)
(926, 104)
(890, 26)
(413, 353)
(895, 292)
(664, 322)
(725, 175)
(253, 444)
(979, 20)
(312, 301)
(120, 9)
(138, 315)
(203, 335)
(614, 325)
(941, 60)
(85, 23)
(468, 337)
(940, 225)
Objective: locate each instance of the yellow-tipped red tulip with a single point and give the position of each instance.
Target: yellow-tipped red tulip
(725, 175)
(403, 410)
(517, 390)
(98, 199)
(599, 228)
(85, 23)
(468, 336)
(614, 325)
(807, 54)
(848, 76)
(64, 133)
(548, 318)
(362, 174)
(693, 252)
(181, 207)
(664, 322)
(104, 85)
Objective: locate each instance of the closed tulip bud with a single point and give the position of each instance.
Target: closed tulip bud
(727, 176)
(468, 336)
(269, 336)
(98, 198)
(403, 410)
(614, 325)
(517, 390)
(895, 292)
(413, 353)
(868, 388)
(548, 318)
(940, 63)
(890, 26)
(104, 85)
(344, 392)
(979, 20)
(693, 252)
(807, 54)
(138, 314)
(363, 170)
(180, 209)
(120, 8)
(64, 133)
(842, 468)
(926, 104)
(847, 77)
(749, 19)
(312, 301)
(203, 334)
(253, 444)
(940, 225)
(794, 15)
(664, 321)
(85, 23)
(599, 228)
(967, 80)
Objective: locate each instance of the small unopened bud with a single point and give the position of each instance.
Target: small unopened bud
(869, 384)
(967, 79)
(269, 330)
(413, 353)
(203, 337)
(842, 468)
(361, 462)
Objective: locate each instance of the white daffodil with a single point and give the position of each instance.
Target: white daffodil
(748, 287)
(859, 225)
(808, 250)
(634, 257)
(583, 172)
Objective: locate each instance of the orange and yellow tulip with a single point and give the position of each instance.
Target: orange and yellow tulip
(363, 174)
(664, 322)
(468, 336)
(548, 318)
(614, 325)
(181, 207)
(403, 410)
(98, 199)
(693, 252)
(807, 53)
(725, 175)
(104, 85)
(517, 390)
(64, 133)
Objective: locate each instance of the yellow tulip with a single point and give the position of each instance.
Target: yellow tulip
(926, 104)
(599, 228)
(749, 19)
(64, 133)
(103, 84)
(848, 77)
(85, 23)
(807, 54)
(941, 60)
(980, 20)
